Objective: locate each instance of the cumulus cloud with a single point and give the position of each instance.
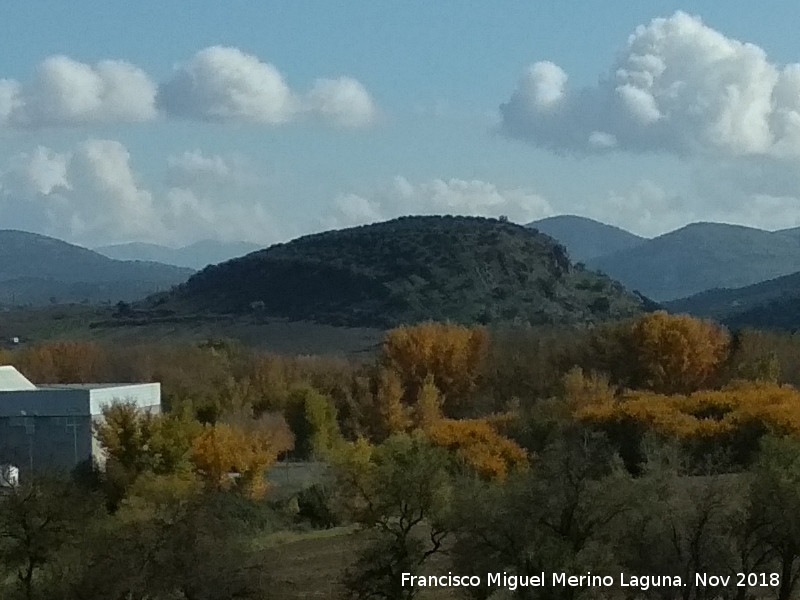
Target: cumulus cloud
(64, 91)
(228, 85)
(677, 86)
(454, 196)
(92, 195)
(343, 102)
(219, 84)
(225, 84)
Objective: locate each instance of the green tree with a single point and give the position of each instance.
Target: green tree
(400, 492)
(312, 419)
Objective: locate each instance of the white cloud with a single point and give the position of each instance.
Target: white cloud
(343, 102)
(65, 92)
(221, 84)
(677, 86)
(225, 84)
(91, 195)
(644, 208)
(454, 196)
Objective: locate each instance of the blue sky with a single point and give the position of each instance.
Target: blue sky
(262, 121)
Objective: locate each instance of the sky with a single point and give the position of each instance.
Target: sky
(171, 122)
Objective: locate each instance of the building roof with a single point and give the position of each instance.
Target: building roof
(12, 380)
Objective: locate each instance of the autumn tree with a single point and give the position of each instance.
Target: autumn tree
(392, 414)
(428, 408)
(229, 457)
(452, 354)
(63, 362)
(479, 446)
(674, 353)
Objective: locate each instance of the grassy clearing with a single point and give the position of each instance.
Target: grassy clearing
(311, 564)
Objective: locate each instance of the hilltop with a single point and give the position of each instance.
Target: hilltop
(702, 256)
(463, 269)
(36, 269)
(586, 239)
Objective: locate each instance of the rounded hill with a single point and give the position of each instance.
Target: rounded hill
(462, 269)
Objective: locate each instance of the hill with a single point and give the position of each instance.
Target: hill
(771, 304)
(36, 269)
(463, 269)
(194, 256)
(584, 238)
(702, 256)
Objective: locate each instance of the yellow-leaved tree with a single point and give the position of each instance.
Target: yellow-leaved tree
(453, 355)
(392, 415)
(479, 446)
(428, 409)
(675, 353)
(234, 457)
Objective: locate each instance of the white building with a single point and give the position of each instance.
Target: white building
(49, 428)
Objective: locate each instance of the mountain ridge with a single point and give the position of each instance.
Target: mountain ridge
(35, 268)
(702, 256)
(193, 256)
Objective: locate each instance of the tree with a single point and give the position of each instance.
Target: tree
(137, 441)
(479, 446)
(167, 543)
(400, 492)
(675, 353)
(392, 414)
(775, 509)
(562, 515)
(63, 362)
(39, 521)
(229, 457)
(312, 419)
(453, 355)
(428, 409)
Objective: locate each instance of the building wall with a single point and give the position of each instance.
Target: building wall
(45, 444)
(144, 395)
(56, 402)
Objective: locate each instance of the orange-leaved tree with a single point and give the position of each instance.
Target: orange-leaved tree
(452, 354)
(235, 457)
(479, 446)
(675, 353)
(63, 362)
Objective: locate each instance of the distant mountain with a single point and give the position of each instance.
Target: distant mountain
(586, 239)
(195, 256)
(36, 269)
(772, 304)
(463, 269)
(700, 257)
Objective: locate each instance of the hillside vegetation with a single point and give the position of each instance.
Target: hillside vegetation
(729, 303)
(463, 269)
